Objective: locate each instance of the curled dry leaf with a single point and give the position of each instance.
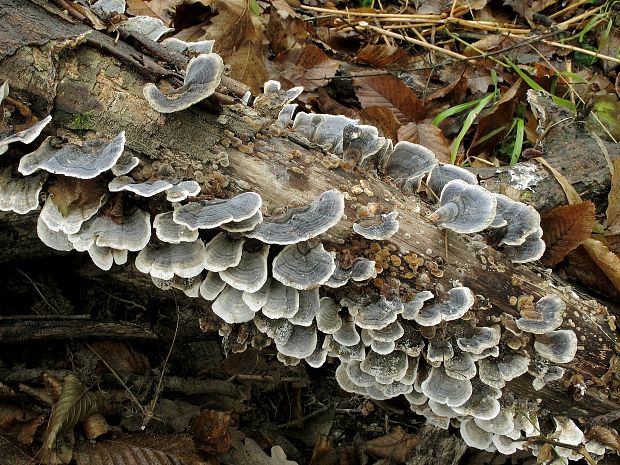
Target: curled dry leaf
(565, 228)
(429, 136)
(307, 66)
(71, 193)
(391, 92)
(383, 56)
(19, 422)
(210, 431)
(606, 260)
(95, 426)
(395, 446)
(582, 268)
(612, 224)
(605, 435)
(383, 119)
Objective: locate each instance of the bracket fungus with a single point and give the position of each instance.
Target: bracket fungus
(223, 251)
(518, 219)
(231, 308)
(369, 314)
(185, 259)
(182, 191)
(57, 240)
(483, 338)
(442, 174)
(250, 273)
(70, 219)
(440, 387)
(328, 320)
(301, 343)
(282, 301)
(153, 28)
(20, 194)
(557, 346)
(209, 214)
(303, 265)
(532, 248)
(211, 286)
(309, 302)
(387, 228)
(459, 300)
(202, 76)
(547, 316)
(408, 164)
(360, 142)
(87, 161)
(301, 224)
(243, 225)
(361, 269)
(180, 46)
(26, 136)
(143, 189)
(167, 230)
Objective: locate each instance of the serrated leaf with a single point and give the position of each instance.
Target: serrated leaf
(606, 260)
(429, 136)
(391, 92)
(75, 404)
(566, 228)
(120, 453)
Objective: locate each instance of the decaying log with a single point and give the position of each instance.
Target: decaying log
(73, 79)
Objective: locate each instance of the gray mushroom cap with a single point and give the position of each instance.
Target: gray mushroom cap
(386, 368)
(282, 301)
(203, 75)
(362, 269)
(84, 162)
(442, 174)
(460, 300)
(4, 90)
(328, 132)
(257, 300)
(440, 387)
(301, 224)
(345, 353)
(357, 376)
(496, 373)
(243, 225)
(438, 352)
(347, 334)
(318, 357)
(182, 191)
(103, 257)
(346, 383)
(223, 251)
(482, 338)
(306, 123)
(301, 343)
(309, 304)
(327, 318)
(557, 346)
(387, 228)
(26, 136)
(409, 163)
(164, 261)
(382, 347)
(483, 403)
(20, 194)
(143, 189)
(132, 234)
(180, 46)
(169, 231)
(303, 266)
(209, 214)
(413, 307)
(153, 28)
(250, 273)
(285, 117)
(547, 375)
(360, 142)
(532, 249)
(125, 164)
(373, 315)
(551, 309)
(211, 286)
(389, 333)
(519, 219)
(56, 240)
(465, 208)
(279, 330)
(460, 366)
(474, 436)
(231, 308)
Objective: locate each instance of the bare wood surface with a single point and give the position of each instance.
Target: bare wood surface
(182, 146)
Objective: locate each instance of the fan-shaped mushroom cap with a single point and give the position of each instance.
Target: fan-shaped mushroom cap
(460, 366)
(301, 224)
(303, 265)
(440, 387)
(501, 424)
(164, 261)
(441, 410)
(301, 343)
(202, 77)
(20, 194)
(474, 436)
(26, 136)
(357, 376)
(153, 28)
(567, 432)
(209, 214)
(282, 301)
(285, 117)
(318, 357)
(102, 257)
(74, 215)
(372, 315)
(482, 338)
(108, 7)
(306, 123)
(211, 287)
(409, 163)
(85, 162)
(57, 240)
(506, 445)
(520, 220)
(390, 333)
(438, 352)
(347, 334)
(231, 308)
(382, 347)
(328, 320)
(411, 342)
(143, 189)
(346, 383)
(308, 306)
(132, 234)
(557, 346)
(530, 250)
(413, 307)
(387, 228)
(483, 403)
(361, 270)
(550, 310)
(125, 164)
(273, 96)
(243, 225)
(460, 299)
(328, 132)
(167, 230)
(182, 191)
(345, 353)
(496, 372)
(547, 375)
(360, 142)
(465, 208)
(416, 398)
(223, 251)
(442, 174)
(257, 300)
(180, 46)
(279, 330)
(251, 272)
(386, 368)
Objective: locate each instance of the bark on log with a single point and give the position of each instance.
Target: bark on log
(72, 79)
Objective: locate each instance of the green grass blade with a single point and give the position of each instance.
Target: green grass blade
(469, 120)
(518, 147)
(453, 111)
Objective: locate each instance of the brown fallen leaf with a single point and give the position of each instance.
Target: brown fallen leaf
(121, 358)
(210, 431)
(605, 435)
(72, 193)
(383, 119)
(606, 260)
(383, 56)
(428, 135)
(324, 452)
(396, 446)
(285, 30)
(155, 8)
(95, 426)
(390, 92)
(582, 268)
(612, 223)
(308, 66)
(564, 229)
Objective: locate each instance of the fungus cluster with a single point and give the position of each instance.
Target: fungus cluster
(277, 274)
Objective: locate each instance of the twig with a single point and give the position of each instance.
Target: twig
(578, 448)
(581, 50)
(570, 7)
(36, 288)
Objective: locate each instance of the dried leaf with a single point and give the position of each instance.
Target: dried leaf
(309, 67)
(564, 229)
(323, 452)
(613, 242)
(546, 454)
(390, 92)
(286, 30)
(161, 9)
(396, 446)
(606, 260)
(571, 194)
(428, 135)
(383, 56)
(75, 404)
(19, 422)
(250, 453)
(210, 431)
(121, 358)
(383, 119)
(582, 268)
(612, 224)
(72, 193)
(605, 435)
(95, 426)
